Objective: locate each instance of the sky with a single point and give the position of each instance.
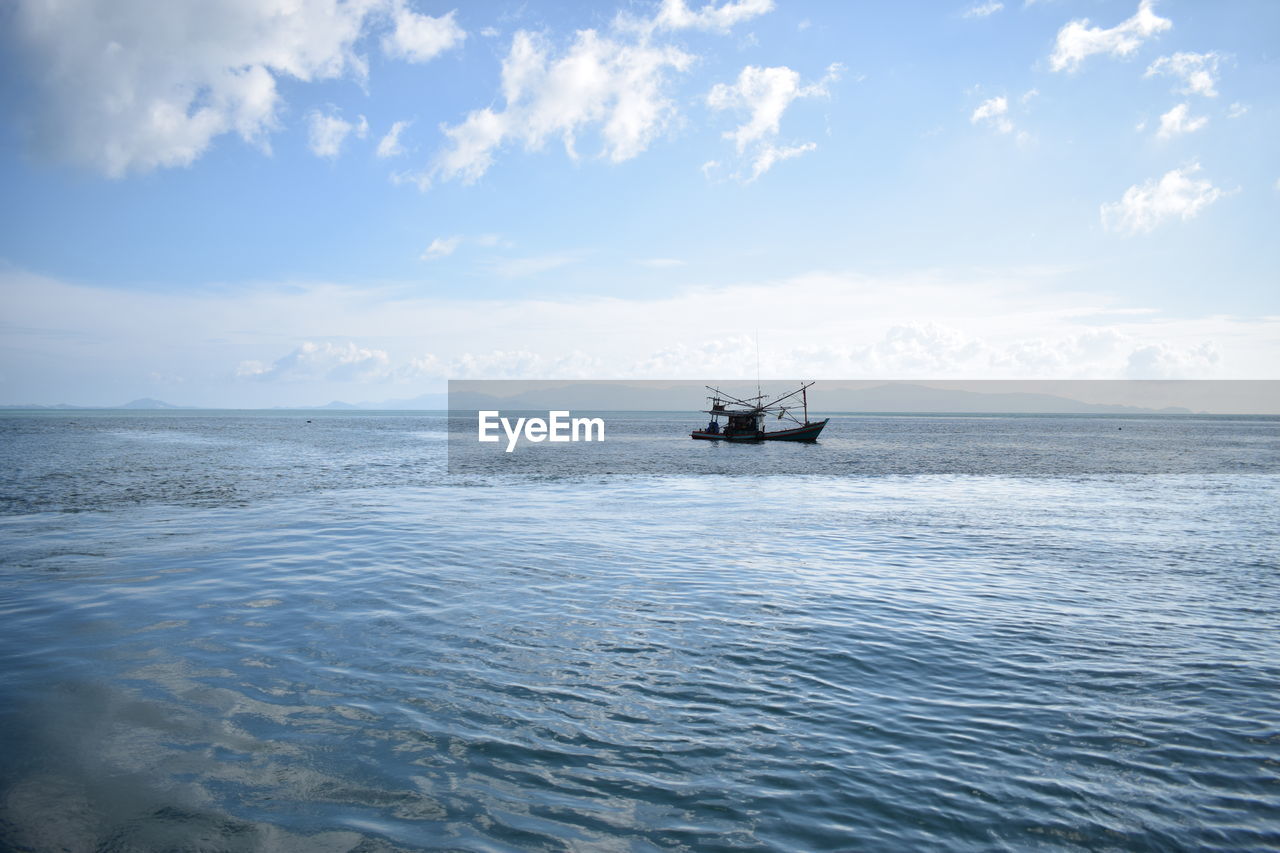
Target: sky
(286, 202)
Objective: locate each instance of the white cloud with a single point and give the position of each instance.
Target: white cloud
(1162, 361)
(911, 349)
(134, 85)
(993, 112)
(767, 155)
(327, 131)
(83, 342)
(612, 83)
(1175, 195)
(983, 10)
(389, 145)
(1178, 121)
(765, 93)
(323, 361)
(419, 38)
(1237, 109)
(503, 363)
(601, 83)
(1078, 41)
(676, 15)
(1045, 346)
(442, 247)
(1196, 70)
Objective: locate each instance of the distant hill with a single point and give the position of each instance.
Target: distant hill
(423, 402)
(151, 403)
(890, 398)
(141, 403)
(58, 406)
(920, 399)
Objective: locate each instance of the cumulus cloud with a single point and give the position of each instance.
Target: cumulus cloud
(310, 363)
(327, 131)
(929, 349)
(676, 15)
(993, 112)
(983, 10)
(1196, 70)
(324, 361)
(926, 347)
(112, 98)
(599, 82)
(1179, 121)
(612, 83)
(769, 154)
(389, 145)
(1175, 195)
(419, 38)
(910, 349)
(1077, 40)
(991, 324)
(764, 94)
(1163, 361)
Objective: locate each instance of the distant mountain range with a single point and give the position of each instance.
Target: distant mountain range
(140, 403)
(896, 397)
(423, 402)
(908, 398)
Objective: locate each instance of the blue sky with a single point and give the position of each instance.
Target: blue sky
(265, 203)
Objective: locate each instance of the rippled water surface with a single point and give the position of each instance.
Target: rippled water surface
(242, 632)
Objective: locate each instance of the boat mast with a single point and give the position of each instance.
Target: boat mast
(758, 394)
(804, 395)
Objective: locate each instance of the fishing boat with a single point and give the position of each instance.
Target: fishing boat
(745, 418)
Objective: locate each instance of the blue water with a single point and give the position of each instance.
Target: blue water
(249, 632)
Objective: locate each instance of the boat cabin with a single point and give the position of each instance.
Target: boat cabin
(743, 423)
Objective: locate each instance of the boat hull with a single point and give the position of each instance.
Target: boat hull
(808, 432)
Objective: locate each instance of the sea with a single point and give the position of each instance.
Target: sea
(307, 631)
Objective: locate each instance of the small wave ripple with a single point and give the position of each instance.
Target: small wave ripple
(901, 663)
